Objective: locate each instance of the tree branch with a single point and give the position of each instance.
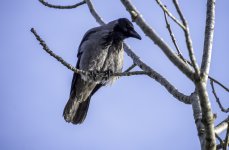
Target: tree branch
(164, 8)
(226, 138)
(173, 38)
(61, 7)
(208, 40)
(131, 67)
(188, 38)
(197, 113)
(222, 126)
(69, 66)
(94, 13)
(207, 116)
(220, 84)
(159, 78)
(136, 17)
(208, 119)
(152, 73)
(186, 61)
(221, 142)
(58, 58)
(217, 98)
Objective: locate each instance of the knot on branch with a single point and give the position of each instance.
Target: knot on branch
(134, 15)
(208, 121)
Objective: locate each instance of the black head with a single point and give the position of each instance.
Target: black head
(124, 29)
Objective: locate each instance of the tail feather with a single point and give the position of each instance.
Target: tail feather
(76, 111)
(77, 106)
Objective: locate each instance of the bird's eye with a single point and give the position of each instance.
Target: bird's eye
(125, 29)
(129, 27)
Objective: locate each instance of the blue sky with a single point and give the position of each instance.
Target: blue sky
(135, 113)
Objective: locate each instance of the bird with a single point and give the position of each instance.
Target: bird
(101, 50)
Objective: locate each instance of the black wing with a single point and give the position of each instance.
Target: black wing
(75, 75)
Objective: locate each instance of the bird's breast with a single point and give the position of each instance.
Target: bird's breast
(114, 61)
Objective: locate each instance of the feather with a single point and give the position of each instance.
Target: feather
(101, 49)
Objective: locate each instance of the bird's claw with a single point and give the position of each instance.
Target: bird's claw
(107, 74)
(94, 75)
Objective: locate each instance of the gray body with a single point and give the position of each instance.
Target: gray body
(101, 49)
(101, 53)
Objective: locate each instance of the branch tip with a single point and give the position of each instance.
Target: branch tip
(62, 7)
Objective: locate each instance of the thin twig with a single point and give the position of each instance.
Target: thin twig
(131, 67)
(220, 140)
(219, 146)
(151, 73)
(171, 34)
(94, 13)
(187, 37)
(173, 38)
(165, 9)
(220, 84)
(58, 58)
(69, 66)
(217, 98)
(210, 77)
(61, 7)
(149, 31)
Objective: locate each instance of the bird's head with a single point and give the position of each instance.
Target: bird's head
(123, 29)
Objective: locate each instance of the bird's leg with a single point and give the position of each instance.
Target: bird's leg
(94, 75)
(107, 74)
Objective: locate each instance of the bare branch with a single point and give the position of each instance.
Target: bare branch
(217, 98)
(159, 78)
(220, 146)
(207, 116)
(222, 126)
(197, 113)
(94, 13)
(210, 77)
(152, 73)
(208, 39)
(58, 58)
(130, 73)
(170, 14)
(220, 84)
(136, 17)
(173, 38)
(131, 67)
(208, 119)
(171, 34)
(220, 140)
(188, 38)
(69, 66)
(61, 7)
(227, 137)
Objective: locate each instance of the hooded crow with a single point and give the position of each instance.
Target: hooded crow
(101, 50)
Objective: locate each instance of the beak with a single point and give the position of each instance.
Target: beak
(134, 34)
